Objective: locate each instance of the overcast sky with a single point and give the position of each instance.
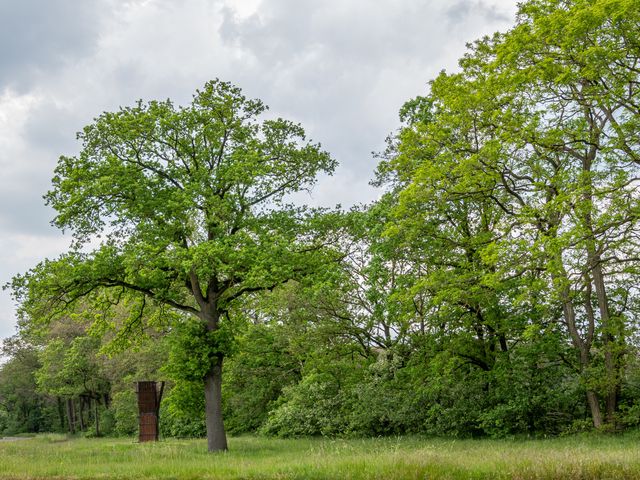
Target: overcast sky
(342, 68)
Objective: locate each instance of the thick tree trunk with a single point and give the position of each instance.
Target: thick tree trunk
(216, 437)
(210, 314)
(594, 406)
(594, 262)
(610, 354)
(583, 346)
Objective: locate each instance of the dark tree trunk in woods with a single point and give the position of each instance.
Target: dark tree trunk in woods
(71, 416)
(81, 414)
(60, 413)
(95, 410)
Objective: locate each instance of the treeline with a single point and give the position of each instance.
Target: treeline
(492, 290)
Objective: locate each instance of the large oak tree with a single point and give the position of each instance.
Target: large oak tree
(189, 205)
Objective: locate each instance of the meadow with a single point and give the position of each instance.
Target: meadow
(582, 457)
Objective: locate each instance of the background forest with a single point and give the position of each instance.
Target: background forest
(491, 291)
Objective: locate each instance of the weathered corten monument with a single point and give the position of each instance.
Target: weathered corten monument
(149, 397)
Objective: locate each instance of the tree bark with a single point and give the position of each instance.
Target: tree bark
(594, 406)
(60, 413)
(610, 354)
(81, 414)
(95, 410)
(584, 348)
(70, 416)
(594, 262)
(216, 437)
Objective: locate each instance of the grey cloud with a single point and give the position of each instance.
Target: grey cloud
(463, 9)
(47, 132)
(22, 206)
(49, 128)
(39, 37)
(334, 64)
(286, 30)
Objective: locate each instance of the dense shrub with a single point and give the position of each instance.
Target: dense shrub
(315, 406)
(125, 412)
(182, 411)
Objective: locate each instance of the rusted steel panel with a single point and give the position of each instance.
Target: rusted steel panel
(148, 427)
(149, 398)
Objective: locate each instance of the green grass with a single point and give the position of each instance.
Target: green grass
(588, 457)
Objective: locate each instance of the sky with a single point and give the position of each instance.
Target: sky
(342, 68)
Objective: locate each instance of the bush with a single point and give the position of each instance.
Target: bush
(107, 422)
(182, 411)
(4, 421)
(255, 377)
(125, 413)
(312, 407)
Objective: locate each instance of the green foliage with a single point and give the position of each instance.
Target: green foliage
(72, 369)
(182, 411)
(194, 349)
(511, 192)
(22, 407)
(4, 420)
(108, 423)
(312, 407)
(124, 406)
(385, 401)
(265, 364)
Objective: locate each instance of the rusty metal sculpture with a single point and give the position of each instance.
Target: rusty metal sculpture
(149, 398)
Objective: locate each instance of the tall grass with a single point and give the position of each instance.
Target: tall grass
(587, 457)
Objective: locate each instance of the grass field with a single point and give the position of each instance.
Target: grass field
(584, 457)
